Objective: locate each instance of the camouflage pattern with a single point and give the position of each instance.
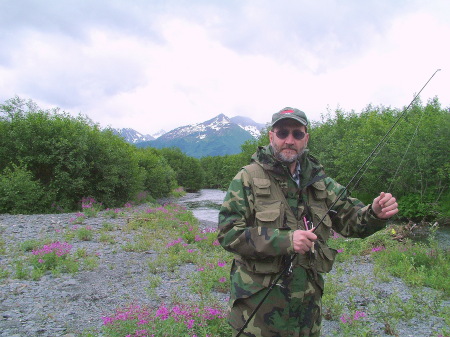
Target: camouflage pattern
(260, 211)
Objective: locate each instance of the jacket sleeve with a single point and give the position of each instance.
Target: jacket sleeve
(237, 230)
(350, 217)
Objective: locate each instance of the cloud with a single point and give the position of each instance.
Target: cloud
(162, 64)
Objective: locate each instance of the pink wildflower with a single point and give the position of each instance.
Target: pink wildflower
(163, 313)
(377, 249)
(190, 323)
(358, 315)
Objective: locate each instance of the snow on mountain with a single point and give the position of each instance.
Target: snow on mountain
(248, 125)
(214, 126)
(158, 134)
(132, 136)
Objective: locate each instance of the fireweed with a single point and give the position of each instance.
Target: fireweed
(355, 325)
(78, 218)
(53, 257)
(90, 206)
(210, 277)
(84, 233)
(175, 235)
(175, 320)
(113, 213)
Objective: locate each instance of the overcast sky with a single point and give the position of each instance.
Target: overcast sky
(151, 65)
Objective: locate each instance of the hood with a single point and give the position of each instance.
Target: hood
(310, 166)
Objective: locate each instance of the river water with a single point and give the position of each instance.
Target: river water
(204, 204)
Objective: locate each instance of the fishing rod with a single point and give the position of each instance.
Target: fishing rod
(346, 188)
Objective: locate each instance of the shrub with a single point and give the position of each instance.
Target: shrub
(68, 157)
(20, 193)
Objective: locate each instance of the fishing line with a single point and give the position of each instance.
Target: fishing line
(404, 155)
(288, 265)
(346, 188)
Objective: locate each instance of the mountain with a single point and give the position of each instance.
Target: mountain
(249, 125)
(132, 136)
(158, 134)
(218, 136)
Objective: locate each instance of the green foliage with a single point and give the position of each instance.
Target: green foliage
(160, 178)
(412, 163)
(416, 206)
(21, 193)
(188, 170)
(220, 170)
(51, 159)
(418, 264)
(66, 158)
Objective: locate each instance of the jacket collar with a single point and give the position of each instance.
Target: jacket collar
(310, 166)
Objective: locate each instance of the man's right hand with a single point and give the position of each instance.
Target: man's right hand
(303, 240)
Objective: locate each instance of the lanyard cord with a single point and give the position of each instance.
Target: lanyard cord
(288, 265)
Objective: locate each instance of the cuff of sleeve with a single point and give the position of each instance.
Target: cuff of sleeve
(291, 239)
(373, 216)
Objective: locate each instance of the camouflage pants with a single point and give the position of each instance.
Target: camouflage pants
(292, 309)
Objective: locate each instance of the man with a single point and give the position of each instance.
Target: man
(268, 216)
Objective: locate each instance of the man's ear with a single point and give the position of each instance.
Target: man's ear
(270, 136)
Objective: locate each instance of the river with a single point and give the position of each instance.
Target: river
(205, 206)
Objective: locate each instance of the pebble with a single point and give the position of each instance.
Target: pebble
(70, 304)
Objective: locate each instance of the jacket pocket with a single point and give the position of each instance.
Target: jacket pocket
(269, 214)
(324, 258)
(262, 187)
(319, 208)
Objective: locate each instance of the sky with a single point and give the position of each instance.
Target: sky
(152, 64)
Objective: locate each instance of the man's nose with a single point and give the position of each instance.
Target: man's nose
(290, 139)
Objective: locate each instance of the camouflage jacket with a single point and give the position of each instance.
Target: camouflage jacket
(258, 228)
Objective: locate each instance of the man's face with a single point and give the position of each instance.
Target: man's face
(289, 149)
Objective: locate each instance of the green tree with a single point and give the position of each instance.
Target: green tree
(412, 163)
(160, 178)
(188, 170)
(69, 156)
(20, 193)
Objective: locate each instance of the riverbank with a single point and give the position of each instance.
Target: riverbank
(69, 305)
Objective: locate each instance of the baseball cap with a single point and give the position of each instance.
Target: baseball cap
(292, 113)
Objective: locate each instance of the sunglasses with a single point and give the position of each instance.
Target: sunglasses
(284, 133)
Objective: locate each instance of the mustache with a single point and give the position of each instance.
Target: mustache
(289, 147)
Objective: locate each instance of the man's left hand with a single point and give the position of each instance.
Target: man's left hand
(384, 206)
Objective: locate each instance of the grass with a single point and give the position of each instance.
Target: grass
(175, 235)
(424, 267)
(175, 239)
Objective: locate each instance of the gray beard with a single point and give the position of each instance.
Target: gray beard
(286, 160)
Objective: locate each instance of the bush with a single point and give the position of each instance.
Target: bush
(19, 193)
(69, 157)
(188, 170)
(416, 207)
(159, 177)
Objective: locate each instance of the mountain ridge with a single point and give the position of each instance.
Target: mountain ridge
(217, 136)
